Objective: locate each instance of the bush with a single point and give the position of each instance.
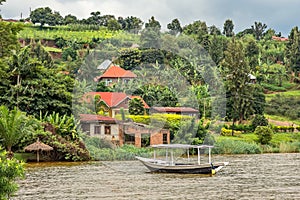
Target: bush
(283, 129)
(264, 134)
(259, 120)
(228, 132)
(240, 127)
(10, 170)
(229, 146)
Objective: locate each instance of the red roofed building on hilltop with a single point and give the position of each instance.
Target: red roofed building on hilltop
(114, 74)
(114, 101)
(281, 39)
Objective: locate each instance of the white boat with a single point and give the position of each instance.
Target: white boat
(169, 165)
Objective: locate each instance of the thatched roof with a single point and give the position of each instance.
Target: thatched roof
(38, 146)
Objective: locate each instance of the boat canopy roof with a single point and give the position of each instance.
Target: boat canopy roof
(181, 146)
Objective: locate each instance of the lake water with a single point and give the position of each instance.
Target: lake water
(263, 176)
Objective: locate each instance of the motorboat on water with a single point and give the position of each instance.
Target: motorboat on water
(169, 164)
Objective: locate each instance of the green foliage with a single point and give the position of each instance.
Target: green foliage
(64, 125)
(46, 16)
(236, 70)
(136, 107)
(63, 149)
(229, 146)
(259, 120)
(264, 134)
(10, 170)
(284, 106)
(228, 132)
(8, 39)
(174, 27)
(126, 152)
(13, 126)
(284, 129)
(228, 28)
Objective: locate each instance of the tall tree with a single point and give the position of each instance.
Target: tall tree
(293, 50)
(198, 30)
(153, 24)
(213, 30)
(258, 29)
(236, 72)
(252, 52)
(174, 27)
(113, 25)
(70, 19)
(95, 18)
(8, 40)
(228, 28)
(216, 48)
(42, 16)
(133, 24)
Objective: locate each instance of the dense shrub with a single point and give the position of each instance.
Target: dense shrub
(284, 106)
(264, 134)
(10, 171)
(259, 120)
(229, 146)
(228, 132)
(240, 127)
(126, 152)
(283, 129)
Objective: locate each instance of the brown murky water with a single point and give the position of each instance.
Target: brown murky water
(266, 176)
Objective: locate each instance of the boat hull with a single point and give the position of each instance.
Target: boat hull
(155, 166)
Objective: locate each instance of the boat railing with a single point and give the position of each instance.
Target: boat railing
(170, 149)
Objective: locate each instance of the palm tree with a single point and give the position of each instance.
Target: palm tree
(14, 124)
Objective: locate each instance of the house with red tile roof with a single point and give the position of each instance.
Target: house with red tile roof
(114, 74)
(176, 110)
(114, 101)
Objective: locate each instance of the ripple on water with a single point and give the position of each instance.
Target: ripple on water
(264, 176)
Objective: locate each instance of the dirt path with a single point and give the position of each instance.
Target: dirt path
(280, 123)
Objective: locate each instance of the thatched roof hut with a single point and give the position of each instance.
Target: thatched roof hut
(38, 146)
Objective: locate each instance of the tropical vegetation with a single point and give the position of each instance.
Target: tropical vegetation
(45, 70)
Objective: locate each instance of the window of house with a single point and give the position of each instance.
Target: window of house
(97, 130)
(107, 130)
(108, 82)
(85, 127)
(129, 139)
(165, 138)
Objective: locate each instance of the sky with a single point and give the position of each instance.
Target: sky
(280, 15)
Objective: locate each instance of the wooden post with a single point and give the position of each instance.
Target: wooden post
(38, 156)
(209, 155)
(198, 156)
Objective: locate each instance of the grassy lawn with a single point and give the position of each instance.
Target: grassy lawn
(52, 49)
(291, 93)
(251, 137)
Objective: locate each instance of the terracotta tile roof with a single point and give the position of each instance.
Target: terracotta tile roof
(117, 72)
(279, 38)
(113, 99)
(91, 117)
(174, 109)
